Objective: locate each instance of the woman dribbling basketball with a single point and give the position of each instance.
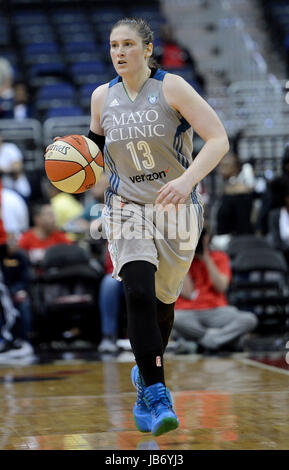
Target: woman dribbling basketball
(145, 117)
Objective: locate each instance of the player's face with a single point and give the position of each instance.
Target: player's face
(127, 51)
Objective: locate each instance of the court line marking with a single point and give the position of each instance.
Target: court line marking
(251, 362)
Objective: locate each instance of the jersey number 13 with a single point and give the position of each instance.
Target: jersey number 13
(148, 160)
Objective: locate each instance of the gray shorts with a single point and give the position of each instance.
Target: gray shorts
(167, 239)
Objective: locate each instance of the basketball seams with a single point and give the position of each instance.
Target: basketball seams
(78, 150)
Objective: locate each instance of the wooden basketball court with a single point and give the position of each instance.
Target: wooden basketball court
(235, 402)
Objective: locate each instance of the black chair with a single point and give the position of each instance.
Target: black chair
(68, 291)
(260, 284)
(240, 243)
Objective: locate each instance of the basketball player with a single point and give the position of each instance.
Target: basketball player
(143, 120)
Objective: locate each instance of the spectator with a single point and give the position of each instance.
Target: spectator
(279, 225)
(11, 168)
(66, 208)
(6, 89)
(273, 197)
(15, 214)
(202, 312)
(171, 55)
(234, 210)
(22, 105)
(111, 293)
(10, 345)
(92, 208)
(43, 234)
(16, 274)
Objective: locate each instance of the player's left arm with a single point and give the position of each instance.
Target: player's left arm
(204, 120)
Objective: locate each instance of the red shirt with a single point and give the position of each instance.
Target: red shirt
(36, 247)
(108, 266)
(3, 235)
(206, 295)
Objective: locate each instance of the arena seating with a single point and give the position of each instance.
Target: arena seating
(57, 42)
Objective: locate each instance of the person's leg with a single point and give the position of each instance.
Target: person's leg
(188, 325)
(143, 329)
(226, 324)
(165, 316)
(24, 321)
(110, 292)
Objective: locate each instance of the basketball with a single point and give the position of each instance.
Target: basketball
(73, 164)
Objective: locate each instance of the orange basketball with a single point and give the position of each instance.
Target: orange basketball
(74, 164)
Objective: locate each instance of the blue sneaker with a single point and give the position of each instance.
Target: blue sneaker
(158, 401)
(141, 413)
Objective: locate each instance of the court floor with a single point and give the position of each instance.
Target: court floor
(235, 402)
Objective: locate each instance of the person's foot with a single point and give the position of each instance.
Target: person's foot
(141, 414)
(15, 349)
(107, 345)
(158, 400)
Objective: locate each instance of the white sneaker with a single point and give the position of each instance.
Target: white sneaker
(16, 349)
(107, 346)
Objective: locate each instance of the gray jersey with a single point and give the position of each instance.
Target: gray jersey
(147, 143)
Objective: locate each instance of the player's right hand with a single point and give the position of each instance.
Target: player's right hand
(49, 146)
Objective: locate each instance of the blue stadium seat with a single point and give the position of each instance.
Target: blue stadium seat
(41, 48)
(29, 17)
(69, 16)
(33, 28)
(32, 38)
(5, 39)
(56, 91)
(107, 15)
(47, 69)
(86, 91)
(64, 111)
(88, 72)
(79, 37)
(77, 47)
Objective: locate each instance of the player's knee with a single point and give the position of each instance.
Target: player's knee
(138, 295)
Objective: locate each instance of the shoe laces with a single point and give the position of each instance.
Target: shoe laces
(154, 402)
(139, 389)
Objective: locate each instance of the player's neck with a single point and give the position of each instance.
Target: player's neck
(134, 83)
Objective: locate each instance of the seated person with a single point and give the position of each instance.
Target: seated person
(14, 211)
(16, 275)
(234, 207)
(66, 208)
(15, 313)
(43, 234)
(202, 313)
(11, 168)
(273, 197)
(6, 89)
(279, 226)
(111, 293)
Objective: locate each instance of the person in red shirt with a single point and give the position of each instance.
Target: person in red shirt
(42, 235)
(202, 313)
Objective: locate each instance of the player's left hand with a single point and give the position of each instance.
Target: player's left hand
(174, 192)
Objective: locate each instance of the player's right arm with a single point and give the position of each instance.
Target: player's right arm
(97, 102)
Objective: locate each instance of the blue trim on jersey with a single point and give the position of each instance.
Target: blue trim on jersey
(108, 195)
(114, 177)
(178, 142)
(160, 74)
(114, 81)
(199, 207)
